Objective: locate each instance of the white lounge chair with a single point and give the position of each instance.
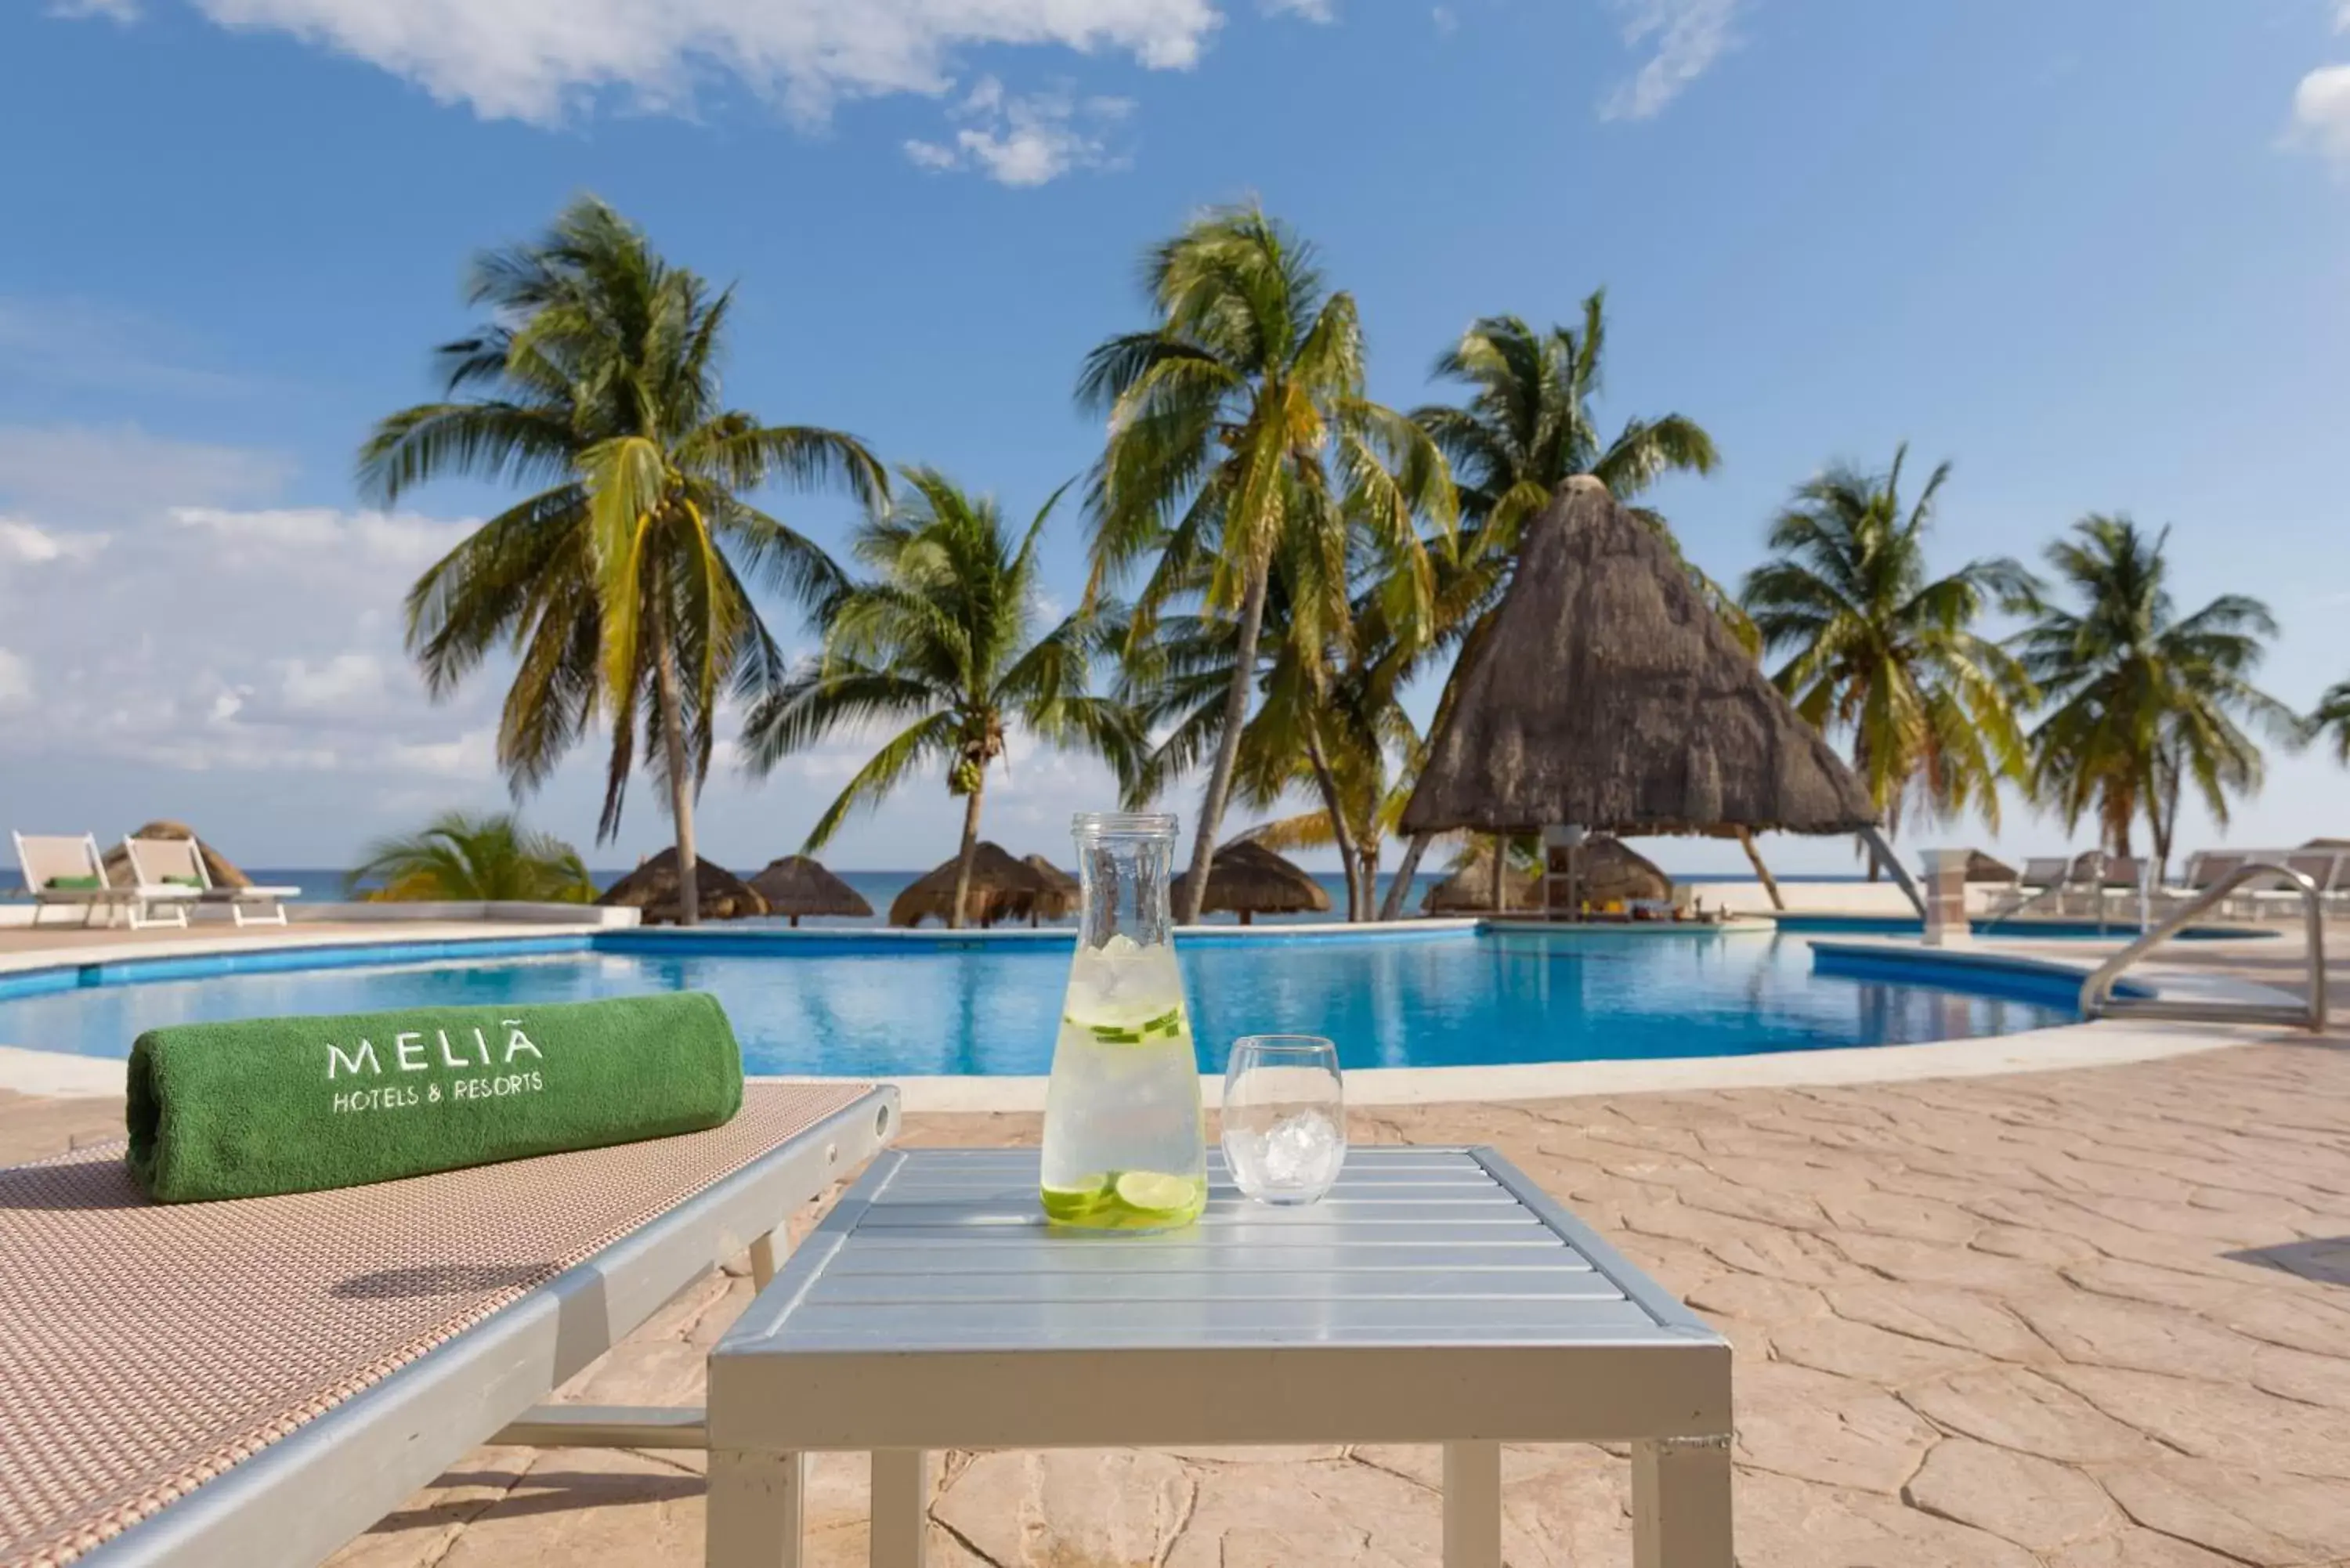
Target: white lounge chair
(250, 1384)
(180, 863)
(62, 870)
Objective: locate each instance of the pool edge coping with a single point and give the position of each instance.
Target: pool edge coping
(2096, 1043)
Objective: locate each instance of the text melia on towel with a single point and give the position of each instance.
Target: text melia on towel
(297, 1104)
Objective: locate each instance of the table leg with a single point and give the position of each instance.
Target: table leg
(767, 1255)
(1680, 1503)
(1473, 1505)
(756, 1501)
(901, 1508)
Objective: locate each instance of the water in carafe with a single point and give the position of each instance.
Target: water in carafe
(1125, 1145)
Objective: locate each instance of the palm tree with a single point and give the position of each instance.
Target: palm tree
(462, 857)
(1878, 649)
(2141, 699)
(623, 586)
(1239, 432)
(942, 642)
(1528, 427)
(2332, 715)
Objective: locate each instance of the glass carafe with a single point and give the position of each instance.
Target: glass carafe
(1125, 1145)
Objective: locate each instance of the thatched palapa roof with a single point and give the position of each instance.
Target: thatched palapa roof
(1068, 891)
(1469, 889)
(1981, 867)
(797, 886)
(216, 865)
(1608, 694)
(1002, 888)
(653, 888)
(1248, 879)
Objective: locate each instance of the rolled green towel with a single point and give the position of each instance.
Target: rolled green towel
(75, 884)
(300, 1104)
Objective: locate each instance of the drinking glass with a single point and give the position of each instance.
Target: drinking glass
(1284, 1117)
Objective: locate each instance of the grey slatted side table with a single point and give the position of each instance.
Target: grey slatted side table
(1435, 1296)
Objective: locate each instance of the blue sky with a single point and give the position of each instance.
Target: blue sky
(2096, 254)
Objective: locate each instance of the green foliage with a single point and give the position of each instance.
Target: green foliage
(462, 858)
(622, 584)
(2332, 720)
(1528, 427)
(1879, 650)
(1240, 437)
(942, 644)
(2142, 700)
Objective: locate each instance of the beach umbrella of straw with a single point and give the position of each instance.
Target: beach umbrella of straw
(653, 888)
(1002, 888)
(798, 886)
(1248, 879)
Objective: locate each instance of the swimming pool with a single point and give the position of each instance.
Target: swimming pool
(939, 1005)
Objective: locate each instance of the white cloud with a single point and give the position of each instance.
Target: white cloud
(1447, 20)
(543, 62)
(74, 477)
(15, 679)
(30, 545)
(392, 539)
(1685, 38)
(333, 682)
(2321, 109)
(1016, 140)
(209, 638)
(1312, 10)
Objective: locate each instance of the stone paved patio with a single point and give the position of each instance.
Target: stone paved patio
(2080, 1319)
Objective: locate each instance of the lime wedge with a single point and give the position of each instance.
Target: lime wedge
(1156, 1192)
(1069, 1204)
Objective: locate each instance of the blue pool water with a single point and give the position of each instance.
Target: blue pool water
(1444, 999)
(2032, 927)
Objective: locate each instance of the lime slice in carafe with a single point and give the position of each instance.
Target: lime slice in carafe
(1156, 1192)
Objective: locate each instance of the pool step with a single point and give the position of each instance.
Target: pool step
(2180, 1009)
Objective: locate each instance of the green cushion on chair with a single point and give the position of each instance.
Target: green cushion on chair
(75, 884)
(184, 881)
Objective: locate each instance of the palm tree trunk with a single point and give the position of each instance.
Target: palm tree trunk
(1762, 872)
(1393, 908)
(1228, 746)
(1497, 887)
(1366, 845)
(1341, 834)
(680, 778)
(969, 853)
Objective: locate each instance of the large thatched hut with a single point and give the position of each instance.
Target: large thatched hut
(1609, 697)
(1068, 891)
(216, 865)
(1247, 879)
(653, 888)
(798, 886)
(1002, 888)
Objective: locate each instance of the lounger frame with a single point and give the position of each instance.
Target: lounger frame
(154, 861)
(305, 1496)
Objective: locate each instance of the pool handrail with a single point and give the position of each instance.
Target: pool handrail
(2097, 999)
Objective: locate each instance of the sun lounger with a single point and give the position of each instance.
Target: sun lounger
(62, 870)
(254, 1382)
(179, 862)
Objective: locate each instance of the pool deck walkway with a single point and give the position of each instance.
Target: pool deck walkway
(2093, 1317)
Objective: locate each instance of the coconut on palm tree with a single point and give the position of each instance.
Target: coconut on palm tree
(622, 584)
(1880, 649)
(1239, 433)
(943, 644)
(466, 858)
(2142, 700)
